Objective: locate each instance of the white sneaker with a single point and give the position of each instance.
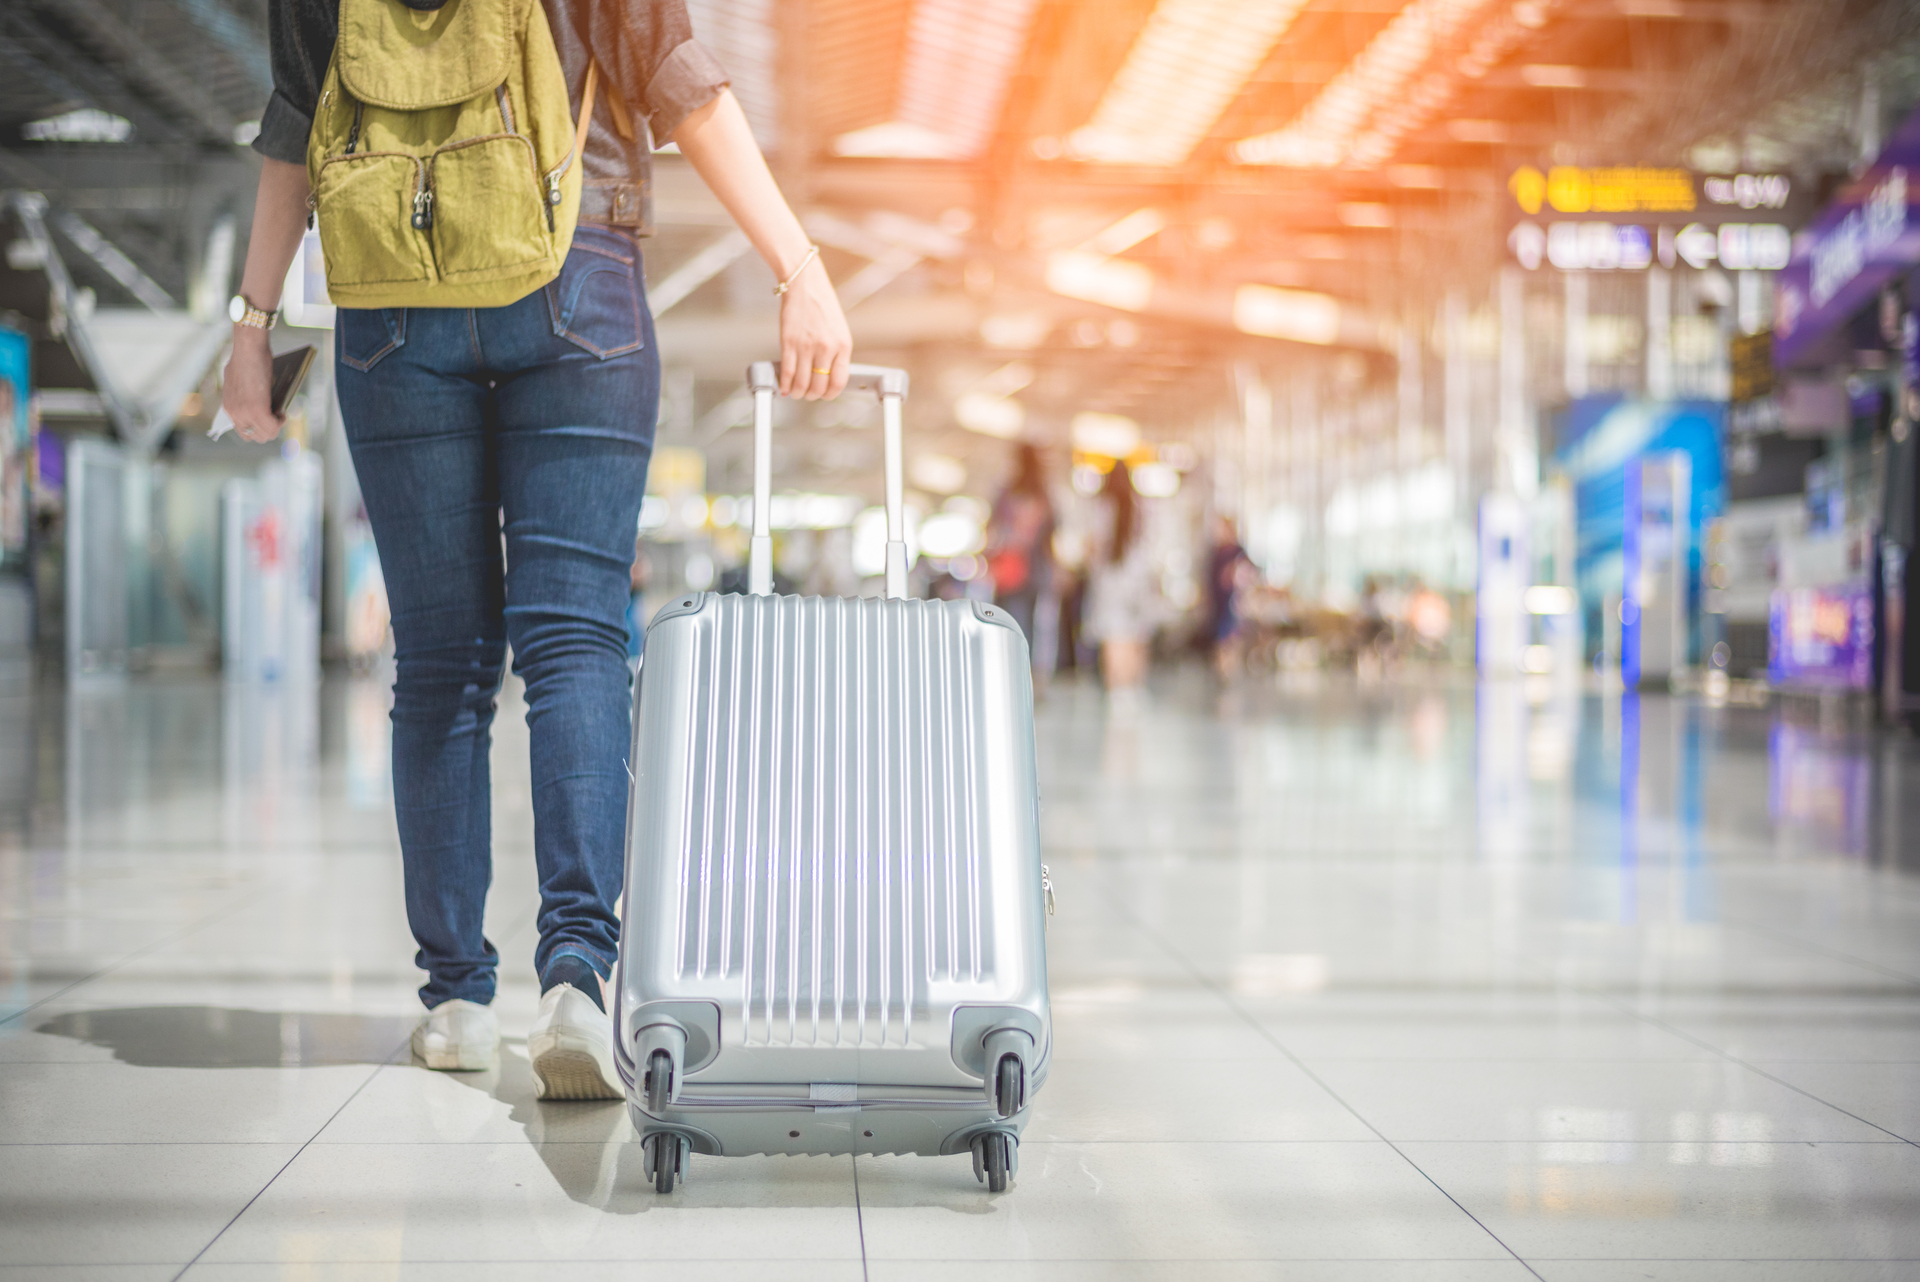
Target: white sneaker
(458, 1036)
(571, 1047)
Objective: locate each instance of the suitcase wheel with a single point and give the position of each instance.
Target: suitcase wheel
(1010, 1086)
(994, 1159)
(666, 1155)
(659, 1083)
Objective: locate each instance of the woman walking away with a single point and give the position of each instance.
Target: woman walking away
(1020, 542)
(1121, 597)
(472, 416)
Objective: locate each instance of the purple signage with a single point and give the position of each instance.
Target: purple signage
(1822, 637)
(1868, 235)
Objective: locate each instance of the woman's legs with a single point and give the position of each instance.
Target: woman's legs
(541, 413)
(575, 437)
(421, 445)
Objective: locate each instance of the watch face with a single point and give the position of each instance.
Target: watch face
(237, 309)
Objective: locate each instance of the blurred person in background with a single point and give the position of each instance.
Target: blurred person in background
(1229, 569)
(1121, 598)
(1020, 542)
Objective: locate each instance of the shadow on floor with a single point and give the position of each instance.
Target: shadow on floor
(589, 1148)
(218, 1037)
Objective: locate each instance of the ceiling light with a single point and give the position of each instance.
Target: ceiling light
(1008, 379)
(1294, 314)
(1215, 234)
(1015, 331)
(84, 125)
(990, 415)
(1358, 213)
(1113, 282)
(896, 140)
(1155, 481)
(1324, 135)
(1417, 177)
(939, 473)
(1487, 131)
(1549, 598)
(1190, 61)
(1108, 435)
(949, 534)
(1553, 76)
(953, 80)
(1142, 224)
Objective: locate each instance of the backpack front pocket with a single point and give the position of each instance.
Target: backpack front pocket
(489, 217)
(365, 208)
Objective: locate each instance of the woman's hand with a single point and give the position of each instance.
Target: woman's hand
(246, 392)
(816, 347)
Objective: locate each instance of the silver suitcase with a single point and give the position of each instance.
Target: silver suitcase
(835, 906)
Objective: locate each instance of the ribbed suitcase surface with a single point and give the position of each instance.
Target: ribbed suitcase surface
(830, 847)
(834, 872)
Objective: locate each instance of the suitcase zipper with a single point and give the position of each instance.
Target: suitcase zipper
(1046, 887)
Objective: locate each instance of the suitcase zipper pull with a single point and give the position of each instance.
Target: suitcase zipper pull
(1046, 887)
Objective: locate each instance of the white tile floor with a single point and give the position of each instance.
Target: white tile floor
(1399, 983)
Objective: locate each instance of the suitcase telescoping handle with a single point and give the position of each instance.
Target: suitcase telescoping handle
(891, 385)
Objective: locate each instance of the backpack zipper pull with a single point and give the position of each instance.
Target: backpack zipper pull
(553, 197)
(353, 134)
(313, 207)
(423, 208)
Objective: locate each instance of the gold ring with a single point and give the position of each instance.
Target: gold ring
(818, 370)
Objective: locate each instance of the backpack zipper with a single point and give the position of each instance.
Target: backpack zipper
(353, 134)
(506, 108)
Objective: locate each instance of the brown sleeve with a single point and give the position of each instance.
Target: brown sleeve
(647, 48)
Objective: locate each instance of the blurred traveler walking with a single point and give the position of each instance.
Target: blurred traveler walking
(1227, 566)
(1122, 601)
(532, 420)
(1020, 543)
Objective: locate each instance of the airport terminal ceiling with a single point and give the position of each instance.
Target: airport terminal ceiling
(1102, 204)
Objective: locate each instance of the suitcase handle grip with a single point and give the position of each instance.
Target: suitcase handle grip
(891, 386)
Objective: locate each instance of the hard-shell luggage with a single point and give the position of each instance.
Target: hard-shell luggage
(835, 907)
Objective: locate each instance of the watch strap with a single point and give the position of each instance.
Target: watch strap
(256, 318)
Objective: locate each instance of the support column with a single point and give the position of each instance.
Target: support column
(1256, 416)
(1457, 424)
(1574, 345)
(1659, 334)
(1518, 453)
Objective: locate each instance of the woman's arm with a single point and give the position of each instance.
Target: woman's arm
(815, 345)
(279, 222)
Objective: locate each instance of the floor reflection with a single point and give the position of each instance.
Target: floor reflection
(219, 1037)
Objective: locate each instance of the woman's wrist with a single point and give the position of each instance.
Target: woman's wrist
(790, 258)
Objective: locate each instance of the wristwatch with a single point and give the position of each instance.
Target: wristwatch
(241, 312)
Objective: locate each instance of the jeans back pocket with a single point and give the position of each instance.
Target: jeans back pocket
(365, 334)
(595, 302)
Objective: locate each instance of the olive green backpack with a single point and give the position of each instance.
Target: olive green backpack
(444, 162)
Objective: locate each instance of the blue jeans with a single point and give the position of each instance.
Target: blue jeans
(530, 426)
